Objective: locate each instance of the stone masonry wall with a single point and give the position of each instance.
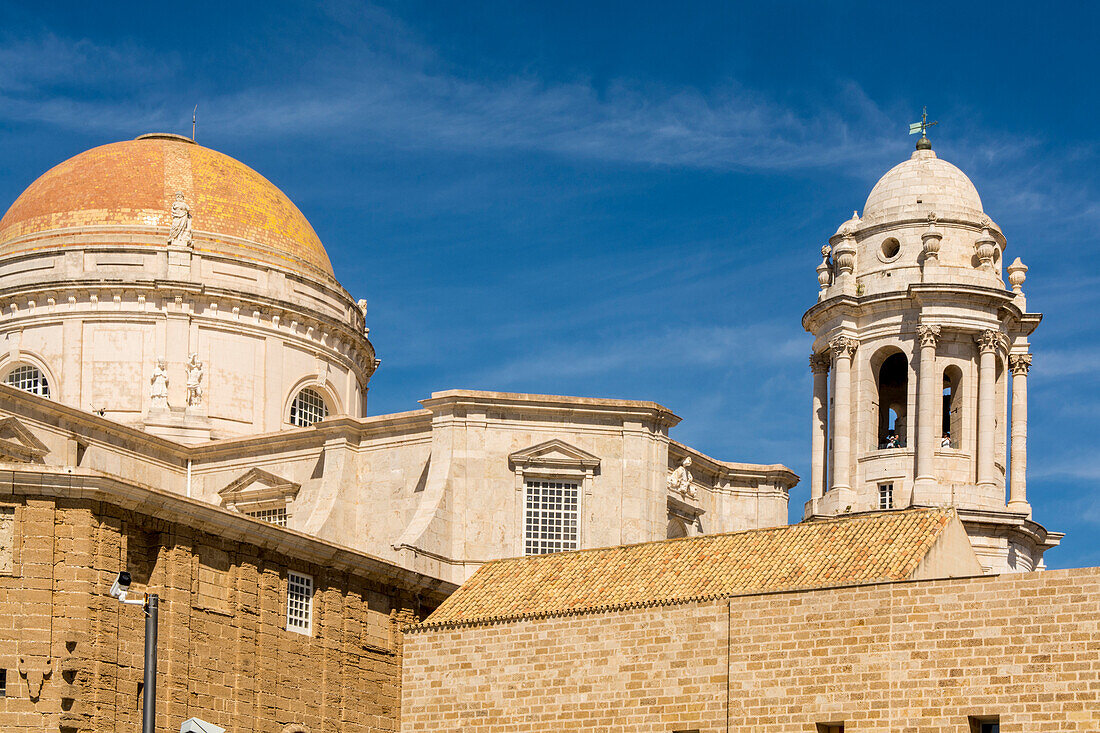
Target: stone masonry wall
(73, 655)
(911, 657)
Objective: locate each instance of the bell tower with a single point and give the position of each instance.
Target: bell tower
(920, 363)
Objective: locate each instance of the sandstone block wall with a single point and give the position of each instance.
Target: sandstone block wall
(923, 656)
(73, 655)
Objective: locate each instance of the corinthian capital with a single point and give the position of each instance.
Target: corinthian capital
(1019, 363)
(820, 363)
(843, 347)
(929, 335)
(989, 340)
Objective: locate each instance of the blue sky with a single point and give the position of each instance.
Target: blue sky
(613, 199)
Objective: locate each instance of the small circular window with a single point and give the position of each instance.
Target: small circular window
(890, 250)
(307, 408)
(29, 379)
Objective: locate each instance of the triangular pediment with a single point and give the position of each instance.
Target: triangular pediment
(555, 453)
(18, 444)
(256, 486)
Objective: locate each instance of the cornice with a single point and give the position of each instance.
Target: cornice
(776, 472)
(324, 324)
(441, 402)
(78, 483)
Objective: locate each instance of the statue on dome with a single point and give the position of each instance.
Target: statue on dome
(158, 392)
(180, 233)
(680, 479)
(194, 381)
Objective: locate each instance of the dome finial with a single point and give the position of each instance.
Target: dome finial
(922, 127)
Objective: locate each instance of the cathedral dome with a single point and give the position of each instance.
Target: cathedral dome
(920, 185)
(126, 189)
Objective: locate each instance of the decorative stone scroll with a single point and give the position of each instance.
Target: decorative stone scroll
(180, 233)
(989, 340)
(1019, 364)
(680, 479)
(929, 335)
(820, 363)
(843, 347)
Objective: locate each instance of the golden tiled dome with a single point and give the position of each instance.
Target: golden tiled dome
(127, 188)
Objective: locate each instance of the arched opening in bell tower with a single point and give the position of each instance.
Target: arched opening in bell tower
(952, 408)
(892, 382)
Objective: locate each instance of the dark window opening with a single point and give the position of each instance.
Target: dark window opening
(985, 724)
(3, 683)
(830, 728)
(893, 395)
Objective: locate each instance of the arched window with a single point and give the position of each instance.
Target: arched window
(952, 408)
(307, 408)
(29, 379)
(893, 395)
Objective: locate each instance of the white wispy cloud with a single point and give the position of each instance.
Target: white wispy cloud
(664, 348)
(385, 85)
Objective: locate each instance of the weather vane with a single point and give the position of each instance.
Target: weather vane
(195, 117)
(922, 127)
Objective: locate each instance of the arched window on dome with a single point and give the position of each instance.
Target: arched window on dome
(307, 408)
(28, 378)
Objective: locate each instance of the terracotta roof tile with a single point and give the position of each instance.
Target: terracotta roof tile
(844, 551)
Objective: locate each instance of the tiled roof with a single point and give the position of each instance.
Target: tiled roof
(850, 550)
(132, 183)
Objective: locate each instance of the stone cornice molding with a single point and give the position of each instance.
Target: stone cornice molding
(843, 347)
(929, 335)
(1020, 364)
(447, 402)
(19, 444)
(79, 483)
(318, 329)
(775, 473)
(820, 363)
(257, 486)
(555, 454)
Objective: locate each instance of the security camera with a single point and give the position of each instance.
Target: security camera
(121, 585)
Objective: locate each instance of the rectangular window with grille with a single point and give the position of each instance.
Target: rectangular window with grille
(271, 516)
(885, 496)
(550, 519)
(299, 603)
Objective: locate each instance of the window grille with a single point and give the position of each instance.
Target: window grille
(307, 408)
(299, 603)
(551, 517)
(29, 379)
(886, 496)
(271, 516)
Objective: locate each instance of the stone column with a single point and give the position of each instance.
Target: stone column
(819, 365)
(1017, 495)
(927, 394)
(843, 350)
(987, 404)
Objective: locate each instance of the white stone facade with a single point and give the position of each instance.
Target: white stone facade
(919, 354)
(190, 343)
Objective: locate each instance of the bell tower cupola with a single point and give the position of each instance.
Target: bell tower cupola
(920, 363)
